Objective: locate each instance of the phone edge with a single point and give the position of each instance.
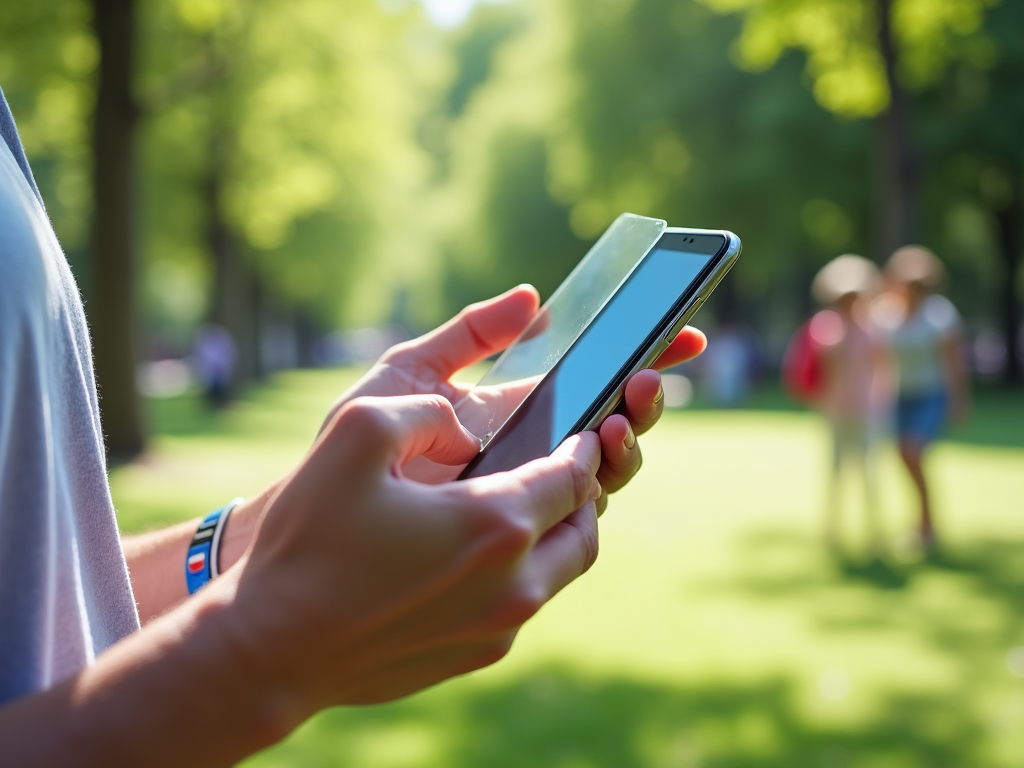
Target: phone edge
(732, 253)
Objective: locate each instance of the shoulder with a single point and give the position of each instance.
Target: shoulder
(23, 277)
(939, 312)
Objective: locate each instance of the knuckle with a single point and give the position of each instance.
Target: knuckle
(397, 353)
(519, 606)
(493, 651)
(364, 417)
(468, 311)
(505, 521)
(582, 480)
(590, 544)
(439, 405)
(514, 534)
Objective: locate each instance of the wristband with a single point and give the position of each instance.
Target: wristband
(202, 560)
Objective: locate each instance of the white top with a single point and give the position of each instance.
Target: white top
(917, 343)
(65, 595)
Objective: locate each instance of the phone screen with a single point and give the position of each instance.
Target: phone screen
(614, 342)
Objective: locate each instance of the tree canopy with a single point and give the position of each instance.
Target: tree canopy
(351, 164)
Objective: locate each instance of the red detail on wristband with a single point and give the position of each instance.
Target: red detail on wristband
(197, 562)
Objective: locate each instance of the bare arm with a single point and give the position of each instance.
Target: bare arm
(174, 692)
(156, 560)
(360, 586)
(957, 378)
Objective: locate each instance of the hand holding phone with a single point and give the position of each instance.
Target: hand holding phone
(633, 327)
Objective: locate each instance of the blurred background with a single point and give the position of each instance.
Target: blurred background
(259, 196)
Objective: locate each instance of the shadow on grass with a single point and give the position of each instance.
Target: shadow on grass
(994, 566)
(876, 572)
(554, 718)
(966, 603)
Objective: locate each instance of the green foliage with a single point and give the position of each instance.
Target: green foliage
(303, 110)
(969, 126)
(595, 109)
(639, 106)
(841, 41)
(371, 168)
(47, 59)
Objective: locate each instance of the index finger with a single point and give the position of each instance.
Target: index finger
(687, 344)
(553, 487)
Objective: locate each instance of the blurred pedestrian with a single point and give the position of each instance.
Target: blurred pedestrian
(728, 365)
(926, 335)
(216, 355)
(854, 390)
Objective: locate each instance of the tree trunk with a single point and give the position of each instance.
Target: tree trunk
(1009, 221)
(896, 165)
(236, 293)
(112, 311)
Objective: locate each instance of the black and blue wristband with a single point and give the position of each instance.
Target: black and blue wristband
(202, 563)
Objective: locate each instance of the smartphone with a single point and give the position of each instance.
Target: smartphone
(635, 325)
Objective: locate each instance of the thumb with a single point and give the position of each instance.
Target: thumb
(478, 331)
(394, 430)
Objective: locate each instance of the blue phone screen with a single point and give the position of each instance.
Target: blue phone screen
(570, 390)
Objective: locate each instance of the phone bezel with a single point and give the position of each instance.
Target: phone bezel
(658, 340)
(671, 323)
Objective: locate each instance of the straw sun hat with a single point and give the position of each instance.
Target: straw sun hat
(916, 264)
(844, 275)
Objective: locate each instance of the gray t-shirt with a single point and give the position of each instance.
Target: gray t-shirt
(65, 595)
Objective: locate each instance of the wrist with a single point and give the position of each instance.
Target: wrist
(261, 695)
(258, 632)
(241, 527)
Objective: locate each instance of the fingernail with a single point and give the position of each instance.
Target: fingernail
(478, 440)
(630, 439)
(660, 396)
(595, 490)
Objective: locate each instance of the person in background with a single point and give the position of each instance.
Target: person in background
(728, 366)
(216, 355)
(854, 391)
(926, 335)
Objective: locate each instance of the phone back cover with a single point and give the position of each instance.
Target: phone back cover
(558, 324)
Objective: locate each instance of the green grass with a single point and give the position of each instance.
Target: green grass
(714, 630)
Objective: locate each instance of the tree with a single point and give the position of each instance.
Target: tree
(976, 121)
(113, 311)
(863, 56)
(596, 109)
(281, 148)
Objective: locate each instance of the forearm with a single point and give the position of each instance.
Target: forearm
(179, 692)
(957, 378)
(156, 560)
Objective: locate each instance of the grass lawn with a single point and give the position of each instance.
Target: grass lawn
(714, 630)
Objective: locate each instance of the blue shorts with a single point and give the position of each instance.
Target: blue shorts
(920, 417)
